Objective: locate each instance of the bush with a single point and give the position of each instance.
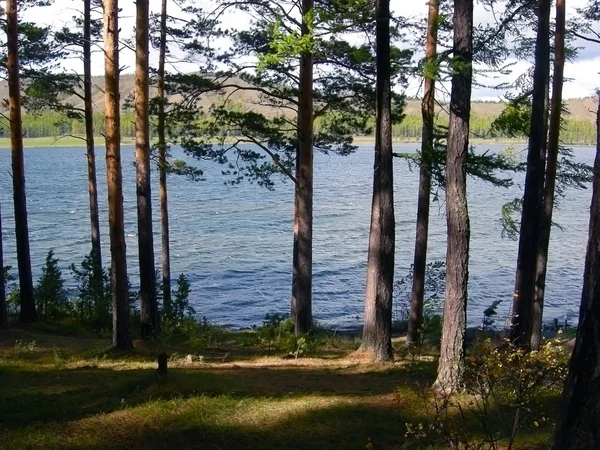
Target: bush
(506, 392)
(50, 294)
(277, 334)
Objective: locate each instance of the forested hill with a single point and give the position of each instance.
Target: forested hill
(579, 126)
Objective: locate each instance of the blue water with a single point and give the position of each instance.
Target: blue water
(235, 242)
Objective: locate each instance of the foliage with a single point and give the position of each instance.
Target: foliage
(93, 302)
(50, 293)
(181, 307)
(507, 392)
(435, 277)
(25, 346)
(276, 334)
(489, 313)
(258, 140)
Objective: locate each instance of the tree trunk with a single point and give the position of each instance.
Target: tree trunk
(427, 111)
(550, 182)
(377, 330)
(3, 305)
(578, 424)
(27, 302)
(89, 139)
(114, 178)
(301, 304)
(149, 307)
(522, 314)
(452, 352)
(162, 165)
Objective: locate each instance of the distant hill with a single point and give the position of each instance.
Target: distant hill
(581, 108)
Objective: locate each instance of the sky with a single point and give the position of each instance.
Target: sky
(582, 75)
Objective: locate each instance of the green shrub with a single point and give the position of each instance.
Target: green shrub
(506, 392)
(50, 293)
(181, 307)
(93, 303)
(277, 334)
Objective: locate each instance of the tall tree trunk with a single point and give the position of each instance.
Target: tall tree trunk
(3, 305)
(550, 182)
(377, 330)
(162, 164)
(114, 177)
(149, 306)
(522, 314)
(301, 308)
(27, 302)
(89, 139)
(451, 363)
(427, 112)
(578, 424)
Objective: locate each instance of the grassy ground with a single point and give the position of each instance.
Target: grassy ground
(73, 392)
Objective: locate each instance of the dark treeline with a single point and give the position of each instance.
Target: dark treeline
(55, 124)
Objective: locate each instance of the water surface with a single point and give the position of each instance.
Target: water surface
(234, 242)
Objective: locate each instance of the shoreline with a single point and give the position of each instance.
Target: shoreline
(66, 142)
(69, 141)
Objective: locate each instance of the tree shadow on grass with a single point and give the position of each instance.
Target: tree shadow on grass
(67, 394)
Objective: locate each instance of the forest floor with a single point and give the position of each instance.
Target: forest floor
(62, 391)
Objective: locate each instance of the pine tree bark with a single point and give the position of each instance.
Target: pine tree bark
(452, 349)
(89, 140)
(27, 302)
(162, 164)
(428, 113)
(149, 306)
(578, 423)
(377, 330)
(522, 314)
(3, 305)
(114, 178)
(550, 178)
(301, 303)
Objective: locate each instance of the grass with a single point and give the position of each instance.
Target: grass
(72, 392)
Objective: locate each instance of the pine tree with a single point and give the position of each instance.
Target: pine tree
(50, 294)
(451, 361)
(119, 279)
(149, 306)
(576, 426)
(3, 304)
(377, 330)
(27, 311)
(522, 315)
(427, 141)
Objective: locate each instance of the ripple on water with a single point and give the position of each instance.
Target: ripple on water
(234, 242)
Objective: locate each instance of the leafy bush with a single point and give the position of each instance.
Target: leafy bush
(198, 335)
(50, 293)
(506, 391)
(277, 334)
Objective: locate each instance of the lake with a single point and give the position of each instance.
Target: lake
(235, 242)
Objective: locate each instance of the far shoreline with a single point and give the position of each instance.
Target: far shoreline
(70, 141)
